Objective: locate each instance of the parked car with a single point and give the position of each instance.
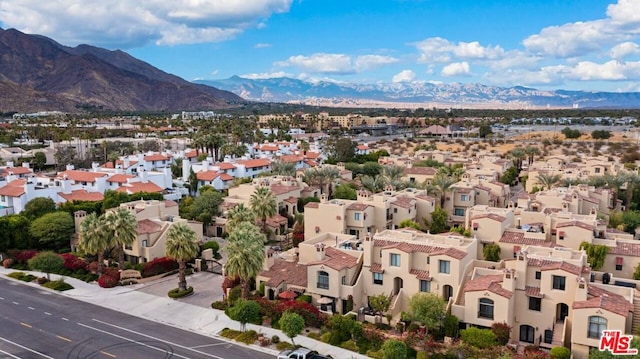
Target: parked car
(300, 353)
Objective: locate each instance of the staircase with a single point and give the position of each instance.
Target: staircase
(557, 335)
(635, 323)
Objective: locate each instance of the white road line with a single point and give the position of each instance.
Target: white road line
(47, 313)
(9, 354)
(209, 345)
(1, 298)
(25, 348)
(65, 319)
(32, 308)
(158, 339)
(16, 303)
(131, 340)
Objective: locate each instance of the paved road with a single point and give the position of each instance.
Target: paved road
(35, 323)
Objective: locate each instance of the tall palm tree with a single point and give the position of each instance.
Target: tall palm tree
(238, 214)
(330, 174)
(95, 238)
(548, 180)
(632, 180)
(181, 246)
(442, 182)
(531, 152)
(283, 168)
(518, 155)
(373, 184)
(123, 225)
(245, 254)
(392, 173)
(263, 204)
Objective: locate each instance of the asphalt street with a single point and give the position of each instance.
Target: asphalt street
(35, 323)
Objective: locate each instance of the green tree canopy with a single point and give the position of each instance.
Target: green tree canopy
(38, 207)
(345, 191)
(291, 324)
(438, 220)
(491, 252)
(54, 229)
(596, 254)
(46, 262)
(205, 207)
(394, 349)
(95, 237)
(124, 227)
(479, 338)
(263, 204)
(408, 223)
(246, 311)
(181, 246)
(427, 308)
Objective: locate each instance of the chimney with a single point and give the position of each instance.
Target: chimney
(9, 163)
(65, 183)
(70, 167)
(186, 169)
(320, 255)
(126, 163)
(25, 164)
(143, 174)
(94, 166)
(581, 290)
(205, 165)
(509, 280)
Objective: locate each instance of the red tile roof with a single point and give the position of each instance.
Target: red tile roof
(603, 299)
(403, 201)
(287, 272)
(120, 178)
(207, 175)
(493, 216)
(626, 249)
(279, 189)
(82, 195)
(291, 158)
(156, 157)
(423, 248)
(261, 162)
(191, 154)
(14, 188)
(18, 170)
(82, 176)
(170, 203)
(312, 205)
(336, 259)
(376, 268)
(575, 224)
(420, 274)
(357, 206)
(489, 283)
(225, 165)
(136, 187)
(533, 292)
(119, 162)
(147, 226)
(427, 171)
(519, 238)
(546, 264)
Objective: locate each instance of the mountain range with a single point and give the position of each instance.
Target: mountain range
(39, 74)
(417, 94)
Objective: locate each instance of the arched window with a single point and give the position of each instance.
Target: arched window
(596, 325)
(527, 333)
(323, 280)
(485, 308)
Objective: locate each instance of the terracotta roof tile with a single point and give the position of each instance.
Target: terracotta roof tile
(287, 272)
(423, 248)
(356, 206)
(82, 195)
(279, 189)
(82, 176)
(603, 299)
(147, 226)
(14, 188)
(207, 175)
(120, 178)
(519, 238)
(336, 259)
(493, 216)
(533, 292)
(547, 264)
(170, 203)
(312, 205)
(136, 187)
(225, 165)
(420, 274)
(489, 283)
(626, 249)
(156, 157)
(261, 162)
(426, 171)
(403, 201)
(376, 268)
(18, 170)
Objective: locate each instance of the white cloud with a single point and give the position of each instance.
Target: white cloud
(590, 71)
(439, 50)
(435, 49)
(625, 12)
(265, 75)
(320, 63)
(624, 49)
(456, 69)
(124, 23)
(262, 45)
(214, 72)
(370, 62)
(473, 50)
(404, 76)
(573, 39)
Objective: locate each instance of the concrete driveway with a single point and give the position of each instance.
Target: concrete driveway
(206, 288)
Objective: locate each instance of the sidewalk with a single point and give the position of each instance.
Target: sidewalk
(206, 321)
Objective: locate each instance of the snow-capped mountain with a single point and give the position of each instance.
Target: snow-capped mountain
(426, 94)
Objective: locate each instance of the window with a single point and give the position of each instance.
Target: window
(3, 198)
(356, 216)
(538, 274)
(394, 260)
(323, 280)
(464, 197)
(597, 169)
(458, 212)
(596, 325)
(558, 282)
(377, 278)
(485, 308)
(535, 304)
(444, 266)
(428, 260)
(344, 280)
(527, 333)
(395, 210)
(425, 286)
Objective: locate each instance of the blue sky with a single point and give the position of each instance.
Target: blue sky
(553, 44)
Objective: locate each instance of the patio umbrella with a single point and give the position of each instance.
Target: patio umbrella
(287, 294)
(325, 300)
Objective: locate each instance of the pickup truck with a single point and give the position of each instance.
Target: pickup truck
(300, 353)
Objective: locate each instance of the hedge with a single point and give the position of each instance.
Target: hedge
(176, 293)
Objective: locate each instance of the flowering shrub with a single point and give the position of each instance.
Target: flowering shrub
(73, 263)
(114, 272)
(230, 282)
(107, 281)
(311, 315)
(92, 267)
(7, 263)
(159, 266)
(23, 256)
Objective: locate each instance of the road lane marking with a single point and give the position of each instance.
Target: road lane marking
(63, 338)
(65, 319)
(32, 308)
(1, 298)
(25, 324)
(107, 354)
(9, 354)
(157, 339)
(133, 341)
(16, 303)
(47, 313)
(209, 345)
(25, 348)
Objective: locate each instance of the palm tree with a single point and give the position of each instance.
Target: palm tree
(531, 152)
(181, 246)
(330, 174)
(95, 238)
(442, 182)
(263, 204)
(238, 214)
(373, 184)
(518, 155)
(548, 180)
(283, 168)
(631, 180)
(124, 230)
(245, 254)
(392, 173)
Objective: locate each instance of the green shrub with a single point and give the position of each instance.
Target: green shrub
(220, 305)
(16, 275)
(230, 333)
(325, 337)
(234, 294)
(59, 285)
(375, 354)
(479, 338)
(304, 298)
(560, 353)
(349, 345)
(28, 278)
(284, 346)
(314, 335)
(213, 245)
(248, 337)
(275, 339)
(421, 355)
(177, 293)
